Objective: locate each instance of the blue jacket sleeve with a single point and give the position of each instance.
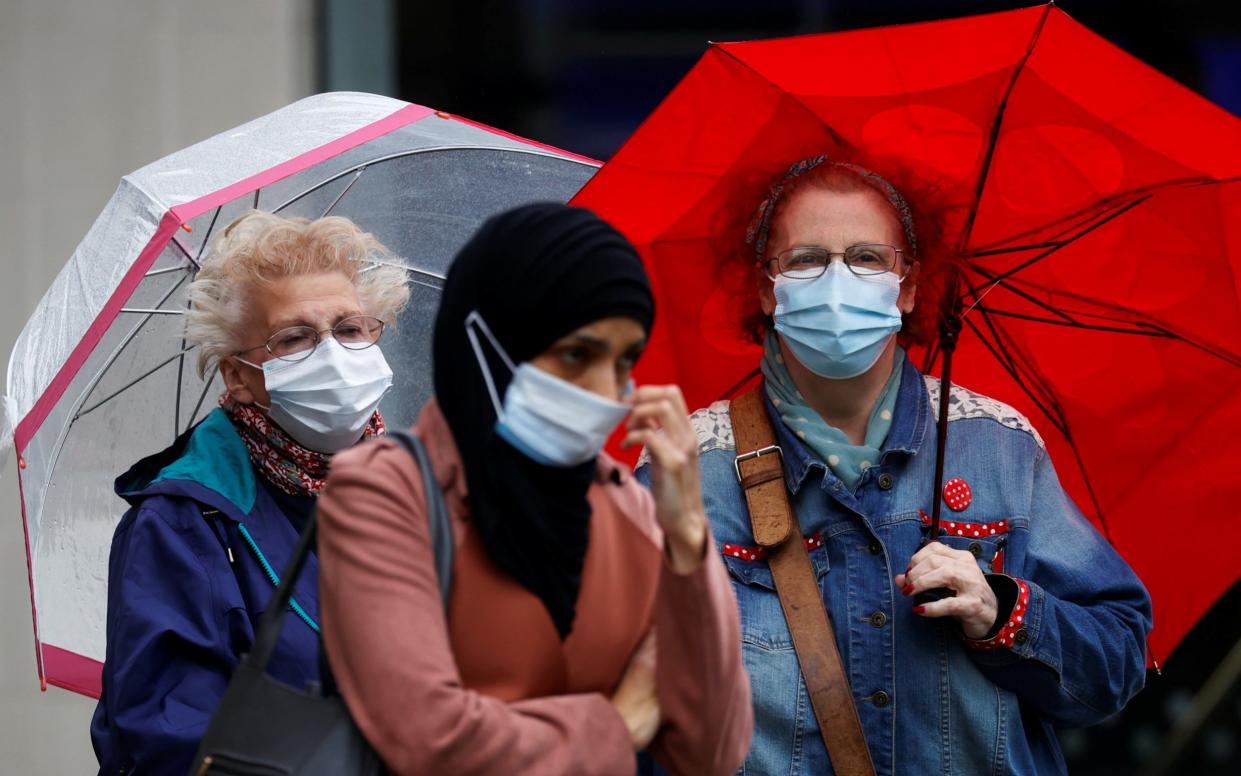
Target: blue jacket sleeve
(169, 656)
(1082, 655)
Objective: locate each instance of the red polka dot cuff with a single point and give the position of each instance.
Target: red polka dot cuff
(1013, 632)
(813, 542)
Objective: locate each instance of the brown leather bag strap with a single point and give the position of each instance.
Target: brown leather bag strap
(760, 470)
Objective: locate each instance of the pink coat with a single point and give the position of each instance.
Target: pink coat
(491, 689)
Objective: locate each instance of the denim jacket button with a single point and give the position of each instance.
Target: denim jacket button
(880, 698)
(878, 619)
(885, 481)
(875, 547)
(1021, 636)
(976, 549)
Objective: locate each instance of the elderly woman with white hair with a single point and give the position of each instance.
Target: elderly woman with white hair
(291, 313)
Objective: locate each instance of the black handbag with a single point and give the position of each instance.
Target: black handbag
(263, 727)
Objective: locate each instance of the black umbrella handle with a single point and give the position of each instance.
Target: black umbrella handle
(933, 595)
(949, 333)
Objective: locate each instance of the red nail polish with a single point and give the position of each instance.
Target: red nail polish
(919, 609)
(907, 589)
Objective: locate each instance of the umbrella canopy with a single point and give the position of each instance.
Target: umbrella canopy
(100, 375)
(1096, 207)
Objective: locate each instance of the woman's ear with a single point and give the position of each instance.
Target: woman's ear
(766, 291)
(909, 289)
(230, 370)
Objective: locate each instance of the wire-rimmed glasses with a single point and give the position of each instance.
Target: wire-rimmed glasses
(357, 332)
(807, 262)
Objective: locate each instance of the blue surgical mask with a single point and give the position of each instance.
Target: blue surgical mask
(550, 420)
(838, 324)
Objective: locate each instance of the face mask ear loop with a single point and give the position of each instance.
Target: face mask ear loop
(249, 363)
(472, 320)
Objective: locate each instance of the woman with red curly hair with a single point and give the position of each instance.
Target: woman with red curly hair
(1036, 622)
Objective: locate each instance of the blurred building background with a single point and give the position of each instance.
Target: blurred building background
(92, 89)
(89, 91)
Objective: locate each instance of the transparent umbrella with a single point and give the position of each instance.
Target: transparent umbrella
(101, 376)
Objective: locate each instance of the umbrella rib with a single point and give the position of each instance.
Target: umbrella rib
(737, 385)
(839, 139)
(1068, 241)
(993, 140)
(1031, 372)
(132, 383)
(164, 271)
(176, 407)
(202, 396)
(1098, 209)
(1158, 329)
(1013, 373)
(174, 242)
(207, 237)
(124, 343)
(425, 284)
(1016, 249)
(991, 286)
(1061, 422)
(343, 192)
(1078, 324)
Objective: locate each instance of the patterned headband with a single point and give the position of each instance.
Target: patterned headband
(760, 225)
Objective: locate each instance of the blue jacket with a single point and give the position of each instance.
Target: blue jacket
(927, 704)
(186, 589)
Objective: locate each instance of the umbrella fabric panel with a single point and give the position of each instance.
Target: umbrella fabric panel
(43, 449)
(426, 225)
(86, 441)
(76, 296)
(260, 145)
(435, 131)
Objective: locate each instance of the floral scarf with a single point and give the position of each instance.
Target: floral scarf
(294, 469)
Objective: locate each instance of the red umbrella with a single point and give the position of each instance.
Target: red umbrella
(1096, 205)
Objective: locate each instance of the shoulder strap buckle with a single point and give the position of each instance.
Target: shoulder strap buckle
(768, 450)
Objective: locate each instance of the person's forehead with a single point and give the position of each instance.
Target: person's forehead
(309, 300)
(838, 216)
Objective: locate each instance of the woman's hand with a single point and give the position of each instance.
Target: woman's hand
(938, 565)
(636, 699)
(660, 421)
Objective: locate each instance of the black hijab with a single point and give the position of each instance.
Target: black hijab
(534, 274)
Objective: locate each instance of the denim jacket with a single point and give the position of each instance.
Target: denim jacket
(928, 704)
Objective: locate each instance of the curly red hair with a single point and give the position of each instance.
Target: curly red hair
(736, 262)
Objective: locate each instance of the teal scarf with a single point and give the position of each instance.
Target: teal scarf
(846, 460)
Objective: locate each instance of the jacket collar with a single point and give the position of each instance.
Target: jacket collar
(208, 463)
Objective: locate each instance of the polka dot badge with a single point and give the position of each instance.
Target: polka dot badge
(957, 494)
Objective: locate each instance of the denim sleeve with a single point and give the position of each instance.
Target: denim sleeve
(168, 654)
(1082, 655)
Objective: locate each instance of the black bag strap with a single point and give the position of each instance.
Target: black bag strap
(442, 544)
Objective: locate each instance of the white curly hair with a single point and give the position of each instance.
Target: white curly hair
(259, 248)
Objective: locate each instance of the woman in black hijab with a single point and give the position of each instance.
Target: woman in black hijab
(566, 568)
